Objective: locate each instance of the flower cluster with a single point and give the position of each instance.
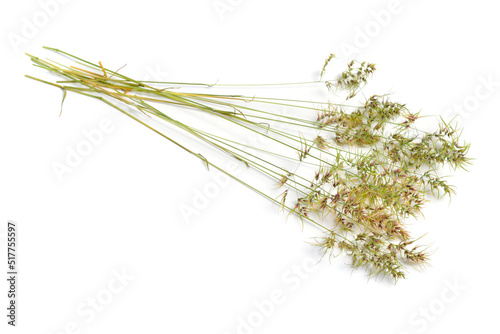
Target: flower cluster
(356, 75)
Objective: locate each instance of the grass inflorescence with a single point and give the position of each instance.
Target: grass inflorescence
(373, 168)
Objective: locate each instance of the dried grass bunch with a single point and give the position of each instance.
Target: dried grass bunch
(372, 168)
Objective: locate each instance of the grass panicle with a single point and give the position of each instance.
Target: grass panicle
(373, 167)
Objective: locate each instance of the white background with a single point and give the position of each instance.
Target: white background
(119, 209)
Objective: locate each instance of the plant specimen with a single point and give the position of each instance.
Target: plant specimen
(357, 169)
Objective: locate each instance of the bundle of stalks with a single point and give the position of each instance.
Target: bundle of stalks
(373, 169)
